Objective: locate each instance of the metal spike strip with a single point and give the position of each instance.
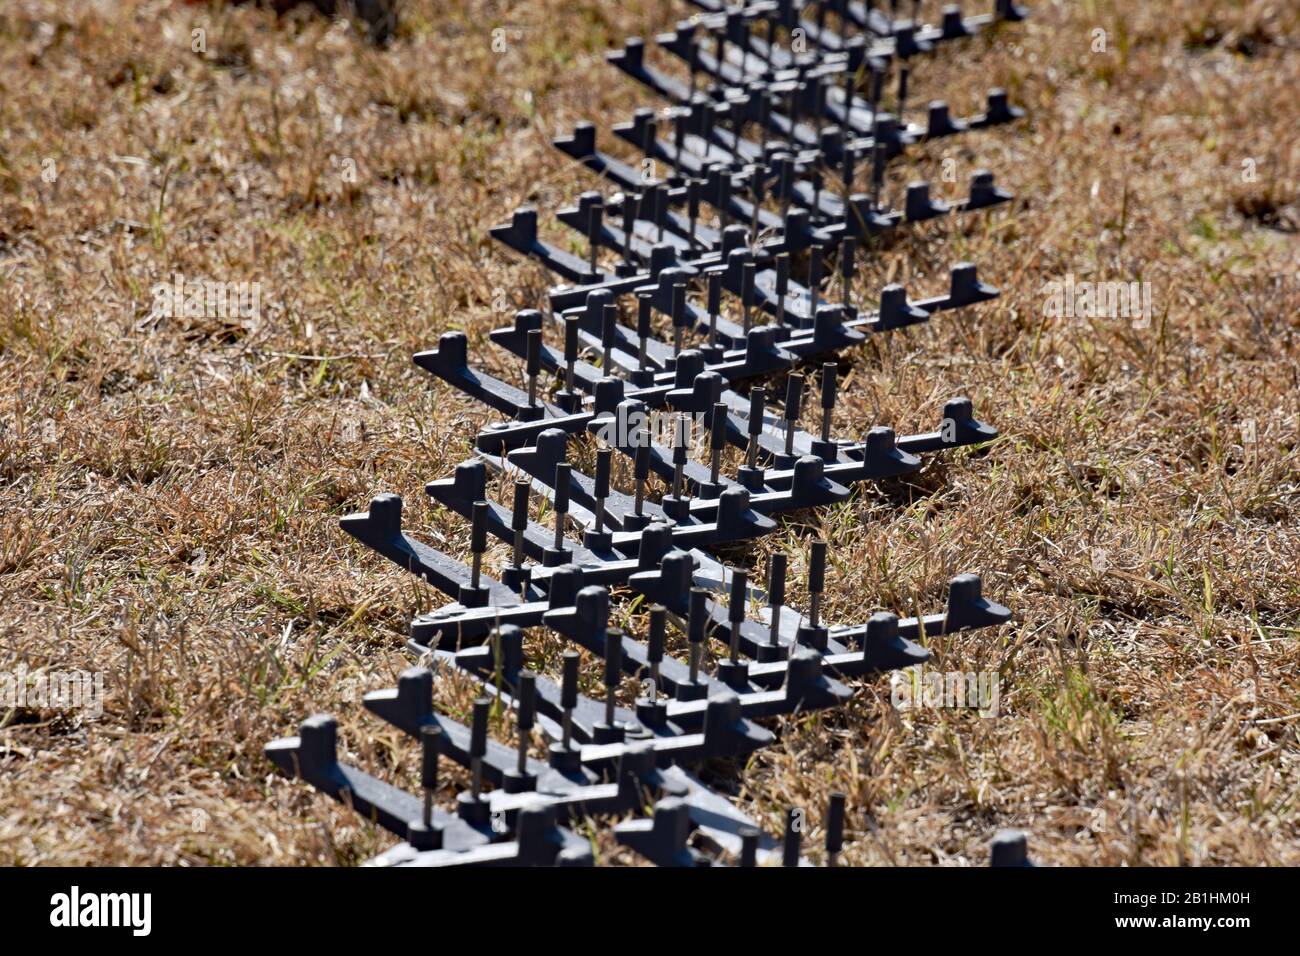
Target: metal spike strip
(603, 758)
(653, 226)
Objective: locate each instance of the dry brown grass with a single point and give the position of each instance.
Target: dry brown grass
(169, 490)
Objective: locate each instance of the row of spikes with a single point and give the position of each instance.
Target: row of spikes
(528, 834)
(770, 164)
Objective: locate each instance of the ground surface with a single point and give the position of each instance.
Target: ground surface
(170, 488)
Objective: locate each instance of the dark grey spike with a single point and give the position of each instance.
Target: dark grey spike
(793, 838)
(834, 827)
